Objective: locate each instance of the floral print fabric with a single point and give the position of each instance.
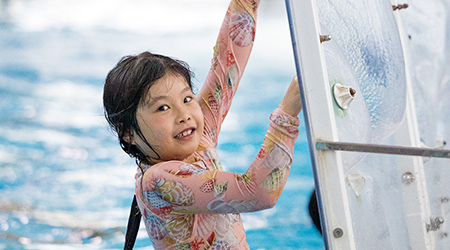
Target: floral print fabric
(197, 205)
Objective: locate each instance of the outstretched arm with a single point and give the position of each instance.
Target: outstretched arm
(183, 188)
(231, 53)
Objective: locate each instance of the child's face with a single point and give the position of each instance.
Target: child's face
(170, 119)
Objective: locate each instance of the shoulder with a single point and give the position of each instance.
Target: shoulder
(169, 169)
(162, 167)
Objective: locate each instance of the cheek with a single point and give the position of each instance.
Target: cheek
(154, 131)
(155, 137)
(148, 128)
(198, 112)
(201, 124)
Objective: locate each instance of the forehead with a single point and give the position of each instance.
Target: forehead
(170, 84)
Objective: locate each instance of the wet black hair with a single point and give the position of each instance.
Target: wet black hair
(126, 87)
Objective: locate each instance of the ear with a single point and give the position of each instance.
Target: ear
(129, 137)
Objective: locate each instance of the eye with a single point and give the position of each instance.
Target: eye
(163, 108)
(187, 99)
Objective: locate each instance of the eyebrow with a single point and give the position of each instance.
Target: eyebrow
(187, 89)
(153, 100)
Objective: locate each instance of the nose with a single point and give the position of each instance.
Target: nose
(183, 116)
(184, 119)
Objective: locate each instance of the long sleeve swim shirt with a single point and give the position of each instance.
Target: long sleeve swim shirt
(198, 205)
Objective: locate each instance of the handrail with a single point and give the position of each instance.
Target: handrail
(382, 149)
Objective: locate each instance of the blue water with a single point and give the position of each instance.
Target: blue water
(64, 181)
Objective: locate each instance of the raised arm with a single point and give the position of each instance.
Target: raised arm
(172, 195)
(231, 53)
(181, 188)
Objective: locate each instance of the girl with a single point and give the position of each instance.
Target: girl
(187, 200)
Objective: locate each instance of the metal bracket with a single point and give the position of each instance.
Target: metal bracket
(324, 38)
(400, 6)
(435, 224)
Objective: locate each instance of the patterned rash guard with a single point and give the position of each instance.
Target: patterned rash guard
(197, 205)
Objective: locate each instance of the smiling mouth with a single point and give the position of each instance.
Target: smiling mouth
(184, 133)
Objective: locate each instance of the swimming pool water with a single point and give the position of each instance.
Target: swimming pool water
(64, 181)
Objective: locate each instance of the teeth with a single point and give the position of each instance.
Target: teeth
(185, 133)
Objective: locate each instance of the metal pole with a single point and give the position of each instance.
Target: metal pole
(382, 149)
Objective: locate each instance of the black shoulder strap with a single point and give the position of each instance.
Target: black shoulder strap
(133, 225)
